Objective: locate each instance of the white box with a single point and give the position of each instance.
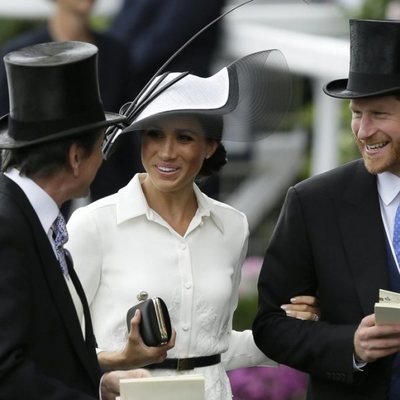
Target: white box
(179, 387)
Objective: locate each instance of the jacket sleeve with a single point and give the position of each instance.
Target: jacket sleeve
(289, 269)
(243, 352)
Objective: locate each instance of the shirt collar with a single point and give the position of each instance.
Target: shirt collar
(132, 203)
(207, 208)
(388, 186)
(45, 207)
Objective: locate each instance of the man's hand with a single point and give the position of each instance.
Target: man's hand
(372, 342)
(110, 381)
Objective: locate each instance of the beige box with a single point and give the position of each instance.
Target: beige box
(181, 387)
(387, 311)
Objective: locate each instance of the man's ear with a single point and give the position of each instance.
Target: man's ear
(75, 156)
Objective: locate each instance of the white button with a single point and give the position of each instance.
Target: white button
(188, 285)
(183, 246)
(185, 328)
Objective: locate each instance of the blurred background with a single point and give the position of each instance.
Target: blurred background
(314, 136)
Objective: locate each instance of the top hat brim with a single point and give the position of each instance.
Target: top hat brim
(8, 142)
(338, 89)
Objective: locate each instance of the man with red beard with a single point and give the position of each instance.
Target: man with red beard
(337, 239)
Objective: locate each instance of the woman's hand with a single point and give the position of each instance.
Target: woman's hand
(303, 307)
(136, 353)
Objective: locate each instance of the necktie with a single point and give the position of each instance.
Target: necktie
(60, 236)
(394, 283)
(396, 234)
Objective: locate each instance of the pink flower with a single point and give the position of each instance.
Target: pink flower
(250, 271)
(265, 383)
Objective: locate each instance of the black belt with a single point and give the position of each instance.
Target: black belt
(184, 364)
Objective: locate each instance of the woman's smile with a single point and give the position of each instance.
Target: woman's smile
(166, 169)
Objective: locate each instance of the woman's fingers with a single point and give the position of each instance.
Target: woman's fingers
(303, 307)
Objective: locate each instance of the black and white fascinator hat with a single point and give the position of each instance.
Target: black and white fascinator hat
(253, 91)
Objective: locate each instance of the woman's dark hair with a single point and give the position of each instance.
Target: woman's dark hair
(213, 126)
(215, 163)
(46, 159)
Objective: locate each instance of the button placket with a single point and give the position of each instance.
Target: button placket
(185, 267)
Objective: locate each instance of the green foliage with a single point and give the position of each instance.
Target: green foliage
(100, 23)
(373, 9)
(12, 27)
(347, 148)
(245, 313)
(370, 9)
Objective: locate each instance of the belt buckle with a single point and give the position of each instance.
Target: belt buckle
(184, 364)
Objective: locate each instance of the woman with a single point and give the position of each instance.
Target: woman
(160, 234)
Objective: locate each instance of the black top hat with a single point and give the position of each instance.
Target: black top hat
(54, 94)
(374, 61)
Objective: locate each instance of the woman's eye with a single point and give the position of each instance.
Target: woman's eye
(153, 133)
(185, 138)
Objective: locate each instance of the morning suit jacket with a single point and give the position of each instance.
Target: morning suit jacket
(43, 354)
(329, 242)
(155, 29)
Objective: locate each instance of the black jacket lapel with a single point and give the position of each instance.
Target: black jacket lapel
(89, 335)
(364, 237)
(55, 279)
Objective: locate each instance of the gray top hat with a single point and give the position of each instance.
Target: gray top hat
(54, 94)
(374, 61)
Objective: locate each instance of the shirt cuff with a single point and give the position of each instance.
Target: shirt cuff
(358, 365)
(101, 380)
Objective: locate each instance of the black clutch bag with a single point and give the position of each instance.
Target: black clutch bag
(155, 324)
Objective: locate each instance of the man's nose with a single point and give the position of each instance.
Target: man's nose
(366, 127)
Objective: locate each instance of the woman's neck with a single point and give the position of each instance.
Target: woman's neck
(176, 208)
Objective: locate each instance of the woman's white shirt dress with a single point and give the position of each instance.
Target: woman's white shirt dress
(121, 247)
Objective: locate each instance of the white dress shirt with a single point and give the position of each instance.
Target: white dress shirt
(389, 198)
(121, 247)
(47, 211)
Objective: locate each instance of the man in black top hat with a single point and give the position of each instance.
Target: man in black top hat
(51, 142)
(69, 20)
(334, 240)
